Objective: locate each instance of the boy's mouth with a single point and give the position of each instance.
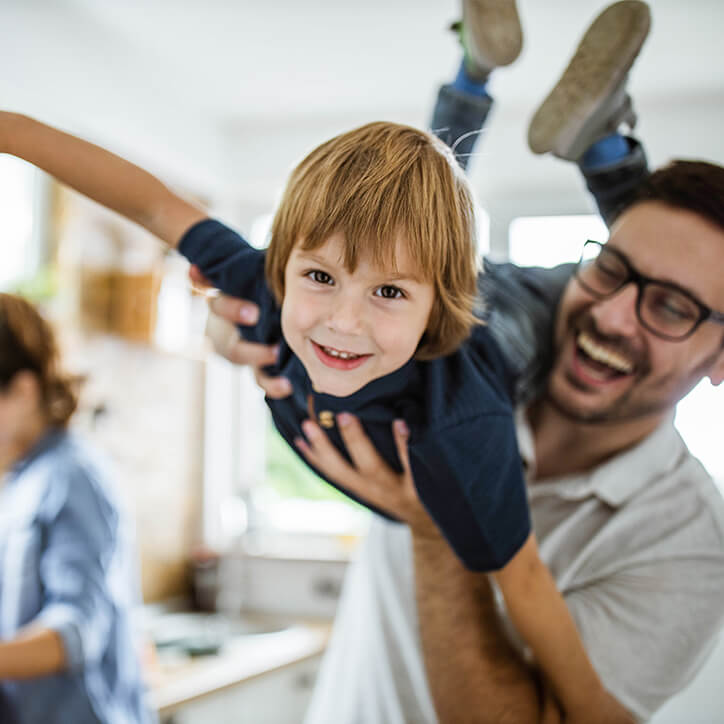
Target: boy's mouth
(337, 358)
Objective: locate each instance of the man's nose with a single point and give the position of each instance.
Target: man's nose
(616, 315)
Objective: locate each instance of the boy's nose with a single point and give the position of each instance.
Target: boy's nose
(616, 315)
(345, 315)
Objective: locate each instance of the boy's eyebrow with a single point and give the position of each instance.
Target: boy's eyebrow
(312, 256)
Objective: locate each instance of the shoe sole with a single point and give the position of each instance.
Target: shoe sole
(493, 35)
(600, 64)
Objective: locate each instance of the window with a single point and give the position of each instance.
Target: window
(550, 240)
(19, 183)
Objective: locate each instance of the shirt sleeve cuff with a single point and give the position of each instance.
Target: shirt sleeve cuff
(62, 619)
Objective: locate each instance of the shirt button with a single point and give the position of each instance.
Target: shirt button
(326, 418)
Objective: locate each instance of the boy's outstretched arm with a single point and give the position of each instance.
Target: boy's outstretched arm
(102, 176)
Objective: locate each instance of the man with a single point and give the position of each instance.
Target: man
(627, 520)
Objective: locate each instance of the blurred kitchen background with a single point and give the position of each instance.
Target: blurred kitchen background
(220, 99)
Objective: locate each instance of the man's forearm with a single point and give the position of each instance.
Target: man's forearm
(474, 672)
(32, 653)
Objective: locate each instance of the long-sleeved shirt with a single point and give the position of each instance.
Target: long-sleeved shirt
(67, 563)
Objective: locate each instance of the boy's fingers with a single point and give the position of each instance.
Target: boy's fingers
(360, 448)
(238, 311)
(274, 387)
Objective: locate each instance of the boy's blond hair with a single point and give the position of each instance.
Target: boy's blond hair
(377, 184)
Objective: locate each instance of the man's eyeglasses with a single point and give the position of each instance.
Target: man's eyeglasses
(663, 308)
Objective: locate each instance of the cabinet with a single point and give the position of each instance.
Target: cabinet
(278, 697)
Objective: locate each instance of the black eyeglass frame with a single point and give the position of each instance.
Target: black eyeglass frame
(641, 281)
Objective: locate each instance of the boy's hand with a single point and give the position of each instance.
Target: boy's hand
(369, 476)
(225, 313)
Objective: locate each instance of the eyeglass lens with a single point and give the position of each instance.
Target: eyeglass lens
(661, 307)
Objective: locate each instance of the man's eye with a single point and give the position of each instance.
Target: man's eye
(389, 292)
(321, 277)
(671, 307)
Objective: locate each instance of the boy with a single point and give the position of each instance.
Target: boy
(369, 291)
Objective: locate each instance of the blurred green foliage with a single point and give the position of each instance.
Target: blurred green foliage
(290, 477)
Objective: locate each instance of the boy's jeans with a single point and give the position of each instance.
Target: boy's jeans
(457, 114)
(520, 302)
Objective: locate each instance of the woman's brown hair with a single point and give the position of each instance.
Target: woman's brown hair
(377, 184)
(27, 343)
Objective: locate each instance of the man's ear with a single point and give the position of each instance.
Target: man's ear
(716, 375)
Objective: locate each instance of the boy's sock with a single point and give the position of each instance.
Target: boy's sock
(469, 84)
(606, 152)
(590, 102)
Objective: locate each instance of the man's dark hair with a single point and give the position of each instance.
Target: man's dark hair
(696, 186)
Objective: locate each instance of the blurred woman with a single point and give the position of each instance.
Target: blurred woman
(67, 571)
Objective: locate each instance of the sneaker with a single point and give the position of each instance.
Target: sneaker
(590, 100)
(491, 35)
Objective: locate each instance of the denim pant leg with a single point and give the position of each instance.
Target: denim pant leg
(458, 118)
(614, 186)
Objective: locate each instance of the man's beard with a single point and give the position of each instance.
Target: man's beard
(619, 409)
(625, 408)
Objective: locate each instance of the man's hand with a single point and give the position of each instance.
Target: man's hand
(369, 476)
(225, 313)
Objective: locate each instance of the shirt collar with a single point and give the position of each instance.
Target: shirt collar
(617, 480)
(48, 440)
(380, 389)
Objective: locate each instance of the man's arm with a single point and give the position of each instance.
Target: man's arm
(100, 175)
(475, 675)
(473, 671)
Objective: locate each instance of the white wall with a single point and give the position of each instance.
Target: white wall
(221, 97)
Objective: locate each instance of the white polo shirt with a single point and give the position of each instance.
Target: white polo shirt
(636, 547)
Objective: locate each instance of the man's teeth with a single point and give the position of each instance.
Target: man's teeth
(603, 355)
(342, 355)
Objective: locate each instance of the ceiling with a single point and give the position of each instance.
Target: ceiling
(222, 96)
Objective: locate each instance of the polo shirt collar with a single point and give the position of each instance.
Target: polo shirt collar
(378, 391)
(623, 476)
(617, 480)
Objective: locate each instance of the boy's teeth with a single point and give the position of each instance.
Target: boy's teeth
(603, 355)
(342, 355)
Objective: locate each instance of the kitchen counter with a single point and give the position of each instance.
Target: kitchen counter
(247, 647)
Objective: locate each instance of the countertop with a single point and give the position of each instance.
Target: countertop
(176, 678)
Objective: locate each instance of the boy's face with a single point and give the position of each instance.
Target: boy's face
(351, 328)
(634, 374)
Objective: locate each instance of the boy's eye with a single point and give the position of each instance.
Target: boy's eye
(319, 276)
(389, 292)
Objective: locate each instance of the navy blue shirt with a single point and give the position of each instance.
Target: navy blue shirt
(463, 450)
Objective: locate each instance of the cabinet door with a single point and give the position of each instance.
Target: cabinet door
(280, 697)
